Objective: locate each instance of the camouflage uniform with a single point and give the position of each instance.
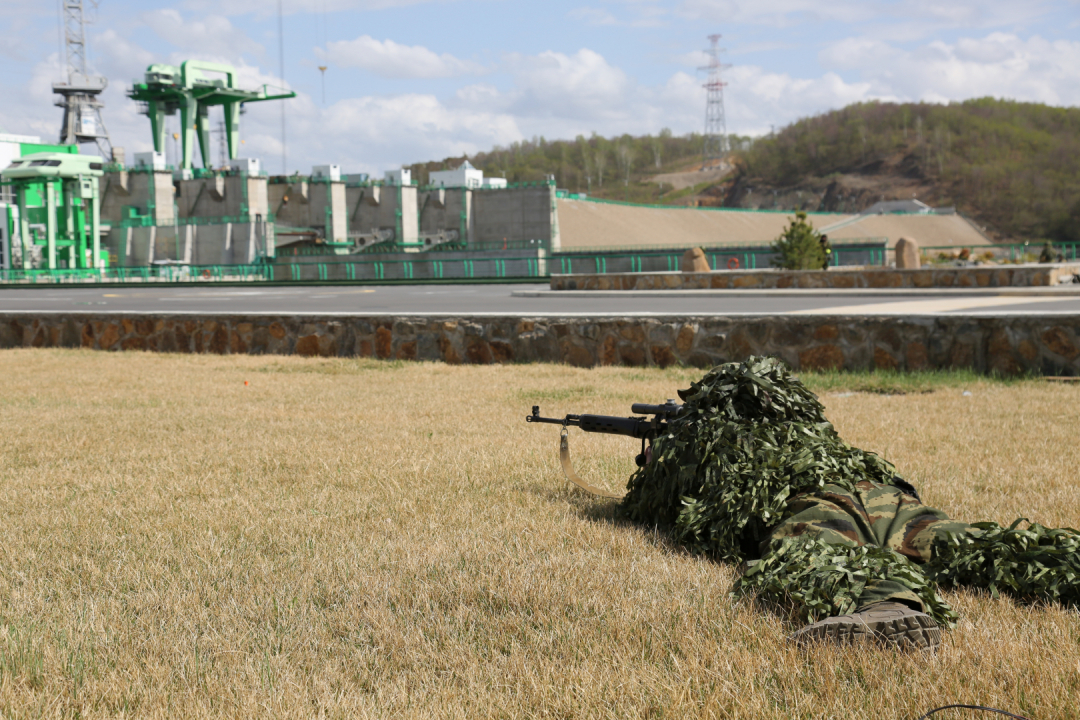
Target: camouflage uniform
(875, 514)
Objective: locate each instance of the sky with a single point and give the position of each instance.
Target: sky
(414, 80)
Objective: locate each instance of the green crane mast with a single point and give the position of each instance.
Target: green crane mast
(187, 89)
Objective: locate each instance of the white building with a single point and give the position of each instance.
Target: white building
(399, 177)
(465, 176)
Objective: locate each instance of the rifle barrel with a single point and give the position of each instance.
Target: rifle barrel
(635, 427)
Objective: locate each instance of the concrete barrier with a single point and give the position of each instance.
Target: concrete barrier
(1008, 344)
(949, 277)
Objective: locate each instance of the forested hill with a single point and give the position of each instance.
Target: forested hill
(1014, 167)
(616, 168)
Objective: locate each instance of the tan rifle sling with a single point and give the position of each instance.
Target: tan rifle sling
(568, 468)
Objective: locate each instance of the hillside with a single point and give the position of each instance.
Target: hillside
(620, 168)
(1011, 166)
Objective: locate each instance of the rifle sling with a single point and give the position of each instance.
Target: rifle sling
(568, 469)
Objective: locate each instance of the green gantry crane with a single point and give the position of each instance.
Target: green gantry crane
(57, 209)
(168, 89)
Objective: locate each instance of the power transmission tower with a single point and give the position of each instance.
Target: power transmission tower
(79, 95)
(715, 147)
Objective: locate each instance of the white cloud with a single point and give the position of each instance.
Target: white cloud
(695, 59)
(642, 13)
(116, 57)
(559, 93)
(583, 85)
(263, 8)
(391, 60)
(999, 65)
(908, 20)
(372, 134)
(757, 101)
(592, 16)
(776, 12)
(211, 34)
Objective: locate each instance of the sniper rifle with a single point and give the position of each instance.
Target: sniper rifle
(646, 429)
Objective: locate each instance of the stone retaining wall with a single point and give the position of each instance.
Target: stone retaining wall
(1006, 344)
(929, 277)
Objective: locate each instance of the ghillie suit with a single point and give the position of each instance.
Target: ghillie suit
(751, 471)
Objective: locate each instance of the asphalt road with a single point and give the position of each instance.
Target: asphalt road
(529, 300)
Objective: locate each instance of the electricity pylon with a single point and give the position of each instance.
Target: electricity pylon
(715, 146)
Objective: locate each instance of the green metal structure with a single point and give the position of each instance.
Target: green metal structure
(57, 208)
(168, 89)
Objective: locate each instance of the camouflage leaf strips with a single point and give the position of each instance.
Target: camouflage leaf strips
(823, 579)
(1031, 563)
(750, 436)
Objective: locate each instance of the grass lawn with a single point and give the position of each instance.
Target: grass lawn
(357, 538)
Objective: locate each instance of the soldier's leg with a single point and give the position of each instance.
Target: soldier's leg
(902, 523)
(1029, 563)
(836, 517)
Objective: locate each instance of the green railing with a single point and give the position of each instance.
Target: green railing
(426, 268)
(148, 220)
(421, 268)
(626, 203)
(156, 273)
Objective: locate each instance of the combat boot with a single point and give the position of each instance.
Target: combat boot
(890, 623)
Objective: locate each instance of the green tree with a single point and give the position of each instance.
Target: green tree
(799, 246)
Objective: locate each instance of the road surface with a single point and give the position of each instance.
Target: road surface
(535, 300)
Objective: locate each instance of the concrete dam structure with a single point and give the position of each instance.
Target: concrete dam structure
(332, 227)
(239, 217)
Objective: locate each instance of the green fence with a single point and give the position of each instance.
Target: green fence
(163, 274)
(429, 267)
(436, 267)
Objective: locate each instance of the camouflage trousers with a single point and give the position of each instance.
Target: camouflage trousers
(880, 515)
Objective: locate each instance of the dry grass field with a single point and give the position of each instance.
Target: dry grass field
(365, 539)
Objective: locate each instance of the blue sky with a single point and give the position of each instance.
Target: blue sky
(412, 80)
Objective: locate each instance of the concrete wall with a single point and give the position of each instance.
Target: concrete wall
(385, 208)
(1009, 345)
(930, 277)
(222, 196)
(447, 209)
(516, 214)
(211, 197)
(220, 244)
(120, 189)
(321, 206)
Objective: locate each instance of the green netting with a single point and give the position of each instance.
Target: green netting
(750, 436)
(821, 580)
(1033, 563)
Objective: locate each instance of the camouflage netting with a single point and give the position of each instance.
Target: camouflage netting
(819, 579)
(750, 437)
(1034, 563)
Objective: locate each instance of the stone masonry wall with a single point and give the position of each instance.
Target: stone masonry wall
(967, 277)
(1007, 344)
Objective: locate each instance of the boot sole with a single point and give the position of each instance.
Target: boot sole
(906, 632)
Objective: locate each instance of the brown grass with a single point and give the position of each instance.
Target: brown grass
(350, 538)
